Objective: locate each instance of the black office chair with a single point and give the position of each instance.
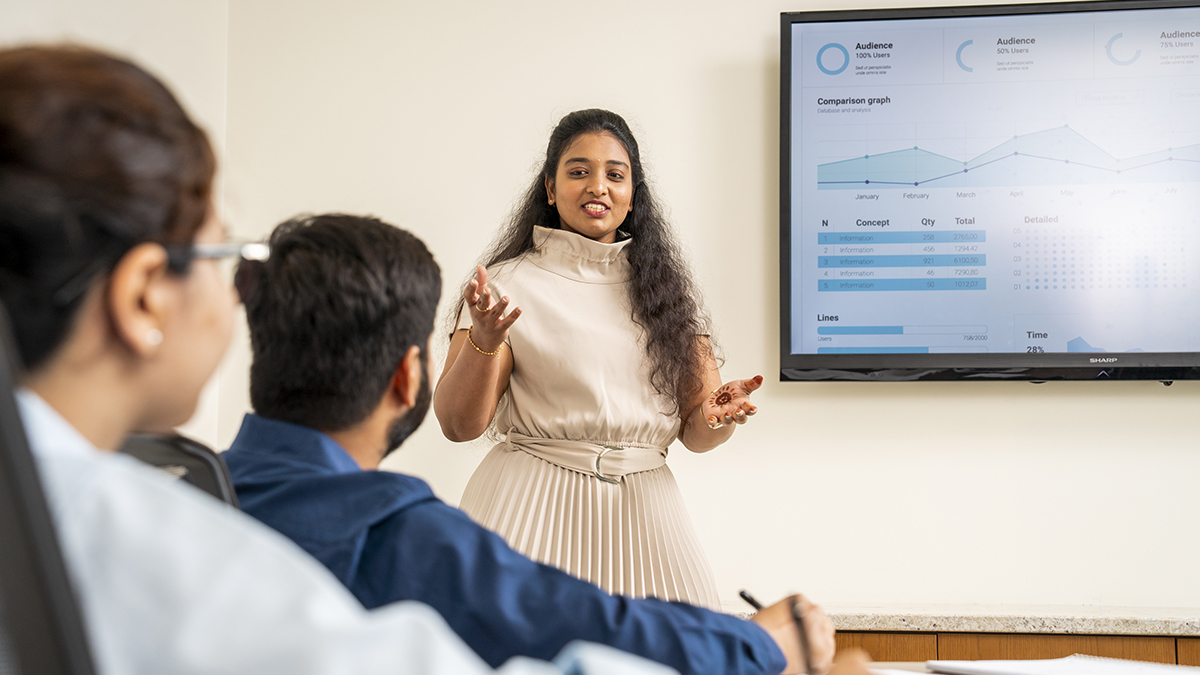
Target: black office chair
(42, 631)
(188, 460)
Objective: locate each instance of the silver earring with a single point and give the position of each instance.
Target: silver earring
(154, 337)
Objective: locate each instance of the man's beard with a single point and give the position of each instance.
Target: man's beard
(403, 427)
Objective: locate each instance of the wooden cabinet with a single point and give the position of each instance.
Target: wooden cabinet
(892, 646)
(978, 646)
(1188, 651)
(914, 646)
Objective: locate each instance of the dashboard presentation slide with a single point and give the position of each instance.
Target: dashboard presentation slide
(1017, 184)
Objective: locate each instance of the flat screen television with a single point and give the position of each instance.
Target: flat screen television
(994, 192)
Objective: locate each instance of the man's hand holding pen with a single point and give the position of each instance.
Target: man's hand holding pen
(801, 629)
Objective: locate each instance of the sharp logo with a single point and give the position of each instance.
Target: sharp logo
(1108, 360)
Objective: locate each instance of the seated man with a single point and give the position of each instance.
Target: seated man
(340, 320)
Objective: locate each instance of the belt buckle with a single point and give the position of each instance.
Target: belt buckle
(596, 471)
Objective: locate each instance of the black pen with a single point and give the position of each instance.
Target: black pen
(799, 619)
(750, 599)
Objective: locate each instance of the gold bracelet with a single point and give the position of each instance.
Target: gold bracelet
(477, 346)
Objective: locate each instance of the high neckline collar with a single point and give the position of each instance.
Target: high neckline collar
(576, 257)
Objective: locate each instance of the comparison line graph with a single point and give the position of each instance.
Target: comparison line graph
(1054, 156)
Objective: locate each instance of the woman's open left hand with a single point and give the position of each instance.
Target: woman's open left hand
(489, 323)
(730, 403)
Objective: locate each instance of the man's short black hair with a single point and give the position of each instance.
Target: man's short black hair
(332, 314)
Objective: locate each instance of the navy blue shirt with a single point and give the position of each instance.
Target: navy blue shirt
(388, 538)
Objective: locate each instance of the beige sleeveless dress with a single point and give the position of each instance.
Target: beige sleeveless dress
(580, 481)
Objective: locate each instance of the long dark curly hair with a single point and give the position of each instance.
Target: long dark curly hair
(664, 298)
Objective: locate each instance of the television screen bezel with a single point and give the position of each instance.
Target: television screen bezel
(1161, 366)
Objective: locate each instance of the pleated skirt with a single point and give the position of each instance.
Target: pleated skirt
(633, 538)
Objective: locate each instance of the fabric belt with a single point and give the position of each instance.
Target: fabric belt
(606, 462)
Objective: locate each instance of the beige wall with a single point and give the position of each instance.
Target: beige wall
(184, 42)
(432, 115)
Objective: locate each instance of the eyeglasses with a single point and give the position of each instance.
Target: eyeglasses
(230, 258)
(179, 257)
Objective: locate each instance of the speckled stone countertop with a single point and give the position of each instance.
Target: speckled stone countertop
(1065, 619)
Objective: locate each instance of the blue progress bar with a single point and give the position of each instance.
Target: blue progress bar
(860, 330)
(931, 260)
(832, 285)
(873, 350)
(917, 237)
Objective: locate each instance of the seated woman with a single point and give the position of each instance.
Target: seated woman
(108, 241)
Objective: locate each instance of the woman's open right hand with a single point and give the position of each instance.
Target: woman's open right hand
(490, 326)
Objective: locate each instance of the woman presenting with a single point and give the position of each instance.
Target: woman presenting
(605, 362)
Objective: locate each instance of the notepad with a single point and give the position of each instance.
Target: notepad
(1071, 665)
